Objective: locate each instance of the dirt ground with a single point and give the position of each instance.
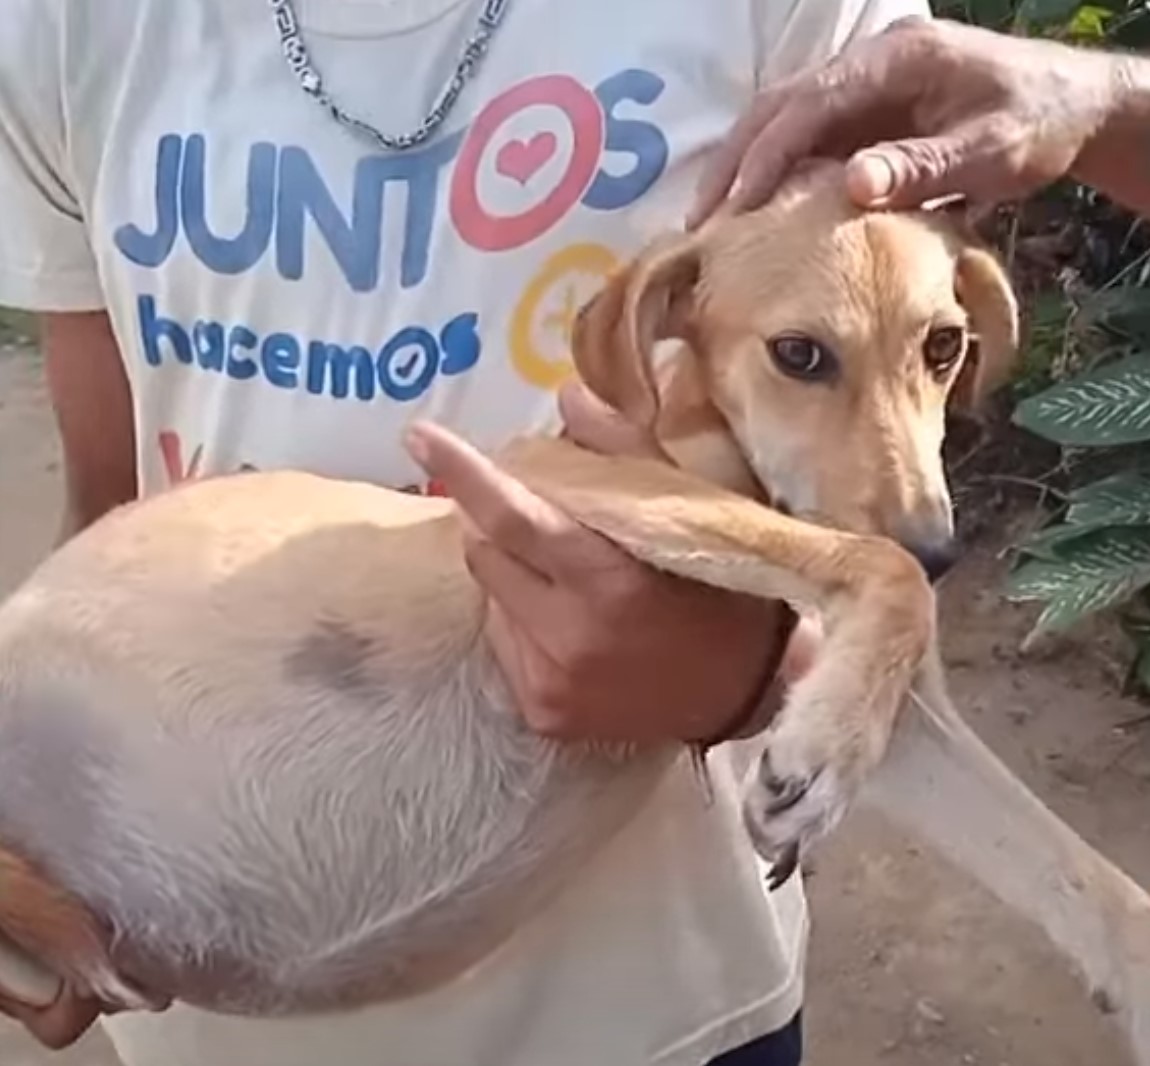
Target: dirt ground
(912, 964)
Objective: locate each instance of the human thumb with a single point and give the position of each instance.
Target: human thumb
(906, 174)
(594, 425)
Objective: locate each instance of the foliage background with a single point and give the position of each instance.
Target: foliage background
(1082, 394)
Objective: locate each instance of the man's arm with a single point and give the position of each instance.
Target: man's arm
(47, 265)
(93, 406)
(1116, 161)
(927, 110)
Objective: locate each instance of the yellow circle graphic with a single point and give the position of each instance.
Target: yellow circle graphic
(549, 305)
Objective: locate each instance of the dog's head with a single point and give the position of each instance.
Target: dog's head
(830, 341)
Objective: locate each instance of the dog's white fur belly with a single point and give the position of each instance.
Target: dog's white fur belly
(352, 821)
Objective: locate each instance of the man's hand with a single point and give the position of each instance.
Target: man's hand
(921, 111)
(594, 644)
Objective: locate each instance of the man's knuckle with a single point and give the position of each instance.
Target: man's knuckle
(927, 159)
(1004, 130)
(816, 95)
(904, 24)
(916, 31)
(921, 45)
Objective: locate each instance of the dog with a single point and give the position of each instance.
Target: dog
(305, 656)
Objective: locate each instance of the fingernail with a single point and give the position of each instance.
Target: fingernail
(870, 177)
(417, 446)
(699, 201)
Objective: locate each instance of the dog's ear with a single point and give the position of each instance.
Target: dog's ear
(616, 332)
(984, 290)
(48, 936)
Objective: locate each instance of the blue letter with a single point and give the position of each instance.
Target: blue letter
(356, 246)
(230, 255)
(329, 370)
(404, 373)
(153, 329)
(643, 140)
(208, 338)
(461, 345)
(280, 356)
(151, 249)
(241, 367)
(419, 172)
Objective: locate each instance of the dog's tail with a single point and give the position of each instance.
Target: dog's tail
(940, 782)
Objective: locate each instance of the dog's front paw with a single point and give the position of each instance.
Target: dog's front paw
(790, 801)
(816, 758)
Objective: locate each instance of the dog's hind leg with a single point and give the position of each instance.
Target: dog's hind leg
(940, 782)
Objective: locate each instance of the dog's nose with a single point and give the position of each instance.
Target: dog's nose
(936, 557)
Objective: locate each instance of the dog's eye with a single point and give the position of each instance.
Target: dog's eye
(801, 357)
(944, 347)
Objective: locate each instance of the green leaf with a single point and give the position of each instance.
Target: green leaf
(1102, 408)
(1046, 12)
(991, 14)
(1066, 609)
(1125, 310)
(1046, 543)
(1088, 24)
(1122, 499)
(1116, 552)
(1119, 500)
(1099, 570)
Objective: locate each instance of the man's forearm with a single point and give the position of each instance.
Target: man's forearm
(72, 521)
(91, 491)
(78, 516)
(1116, 161)
(92, 401)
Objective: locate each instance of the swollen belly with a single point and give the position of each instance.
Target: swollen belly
(334, 853)
(262, 738)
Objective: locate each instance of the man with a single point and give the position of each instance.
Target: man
(268, 233)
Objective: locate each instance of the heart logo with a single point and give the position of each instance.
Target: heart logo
(522, 160)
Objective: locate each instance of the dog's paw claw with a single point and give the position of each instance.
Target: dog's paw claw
(783, 868)
(792, 798)
(784, 791)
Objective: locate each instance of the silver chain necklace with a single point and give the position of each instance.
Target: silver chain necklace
(297, 56)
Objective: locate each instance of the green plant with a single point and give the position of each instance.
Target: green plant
(1095, 552)
(1121, 24)
(1083, 266)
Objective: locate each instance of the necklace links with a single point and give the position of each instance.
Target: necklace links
(310, 80)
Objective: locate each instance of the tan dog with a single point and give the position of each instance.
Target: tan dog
(304, 656)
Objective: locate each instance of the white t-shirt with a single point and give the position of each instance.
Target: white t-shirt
(286, 295)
